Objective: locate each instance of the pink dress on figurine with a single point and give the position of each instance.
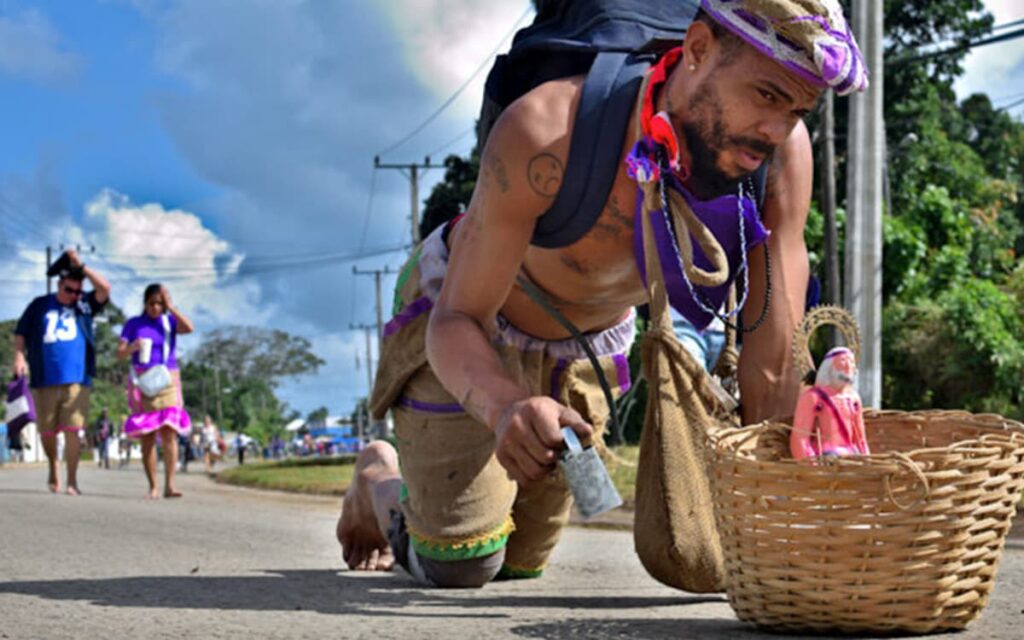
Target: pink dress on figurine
(829, 420)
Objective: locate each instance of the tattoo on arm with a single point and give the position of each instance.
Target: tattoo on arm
(544, 174)
(500, 174)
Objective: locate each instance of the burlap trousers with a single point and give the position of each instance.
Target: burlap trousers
(457, 500)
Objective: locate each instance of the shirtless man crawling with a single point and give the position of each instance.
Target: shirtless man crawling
(481, 379)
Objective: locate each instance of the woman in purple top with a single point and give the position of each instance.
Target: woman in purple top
(150, 340)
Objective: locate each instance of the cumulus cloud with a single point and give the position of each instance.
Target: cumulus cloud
(143, 243)
(131, 244)
(446, 41)
(30, 48)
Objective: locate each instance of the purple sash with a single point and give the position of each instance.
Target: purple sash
(847, 433)
(722, 219)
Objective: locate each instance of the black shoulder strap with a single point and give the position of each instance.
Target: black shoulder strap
(760, 179)
(602, 118)
(534, 293)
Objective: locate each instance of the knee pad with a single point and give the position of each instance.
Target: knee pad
(462, 574)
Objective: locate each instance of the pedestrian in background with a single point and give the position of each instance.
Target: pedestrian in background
(103, 430)
(54, 339)
(154, 388)
(213, 443)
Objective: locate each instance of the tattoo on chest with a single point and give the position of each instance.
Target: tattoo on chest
(544, 173)
(613, 222)
(574, 264)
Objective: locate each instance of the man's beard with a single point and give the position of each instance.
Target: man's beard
(847, 378)
(706, 138)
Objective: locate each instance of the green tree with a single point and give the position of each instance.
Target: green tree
(952, 315)
(318, 416)
(451, 196)
(234, 373)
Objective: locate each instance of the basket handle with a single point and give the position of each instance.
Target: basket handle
(815, 319)
(904, 461)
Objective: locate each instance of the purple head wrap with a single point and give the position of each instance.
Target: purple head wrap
(810, 37)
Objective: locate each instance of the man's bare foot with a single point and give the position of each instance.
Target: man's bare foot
(152, 494)
(172, 493)
(364, 546)
(53, 483)
(73, 491)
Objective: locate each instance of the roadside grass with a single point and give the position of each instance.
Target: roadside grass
(331, 476)
(623, 472)
(322, 476)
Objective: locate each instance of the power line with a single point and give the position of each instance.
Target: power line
(458, 91)
(452, 141)
(1016, 103)
(259, 262)
(362, 239)
(241, 273)
(1007, 25)
(956, 49)
(1008, 98)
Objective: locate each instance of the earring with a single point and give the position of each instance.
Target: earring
(693, 67)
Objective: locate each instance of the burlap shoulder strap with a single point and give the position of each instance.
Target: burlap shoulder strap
(674, 528)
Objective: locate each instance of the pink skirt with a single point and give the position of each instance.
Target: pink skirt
(142, 422)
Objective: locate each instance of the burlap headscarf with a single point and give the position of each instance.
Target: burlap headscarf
(811, 37)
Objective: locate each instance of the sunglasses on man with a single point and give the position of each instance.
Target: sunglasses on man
(71, 291)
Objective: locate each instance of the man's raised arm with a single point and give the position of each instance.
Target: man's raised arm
(768, 382)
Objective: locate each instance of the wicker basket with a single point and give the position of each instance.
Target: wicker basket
(907, 539)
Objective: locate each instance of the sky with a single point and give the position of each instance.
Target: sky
(225, 148)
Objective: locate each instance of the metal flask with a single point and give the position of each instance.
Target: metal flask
(588, 480)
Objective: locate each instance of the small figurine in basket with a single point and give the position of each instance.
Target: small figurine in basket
(828, 420)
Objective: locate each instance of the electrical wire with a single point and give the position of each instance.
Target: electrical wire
(458, 92)
(452, 141)
(241, 273)
(922, 57)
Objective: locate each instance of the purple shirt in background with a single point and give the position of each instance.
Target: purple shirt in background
(153, 328)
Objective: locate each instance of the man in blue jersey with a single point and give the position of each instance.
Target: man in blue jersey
(54, 341)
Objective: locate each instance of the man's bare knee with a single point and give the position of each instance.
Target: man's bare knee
(463, 574)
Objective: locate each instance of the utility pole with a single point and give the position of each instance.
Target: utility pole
(863, 286)
(46, 268)
(367, 329)
(411, 171)
(216, 384)
(833, 294)
(376, 273)
(49, 261)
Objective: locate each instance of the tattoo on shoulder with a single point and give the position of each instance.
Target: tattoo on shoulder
(544, 173)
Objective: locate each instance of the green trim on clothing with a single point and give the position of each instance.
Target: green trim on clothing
(460, 551)
(517, 573)
(403, 277)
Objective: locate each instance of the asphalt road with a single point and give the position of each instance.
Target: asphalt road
(225, 562)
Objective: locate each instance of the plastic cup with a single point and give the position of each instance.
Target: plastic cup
(145, 350)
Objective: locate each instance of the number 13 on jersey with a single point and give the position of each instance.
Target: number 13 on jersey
(60, 326)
